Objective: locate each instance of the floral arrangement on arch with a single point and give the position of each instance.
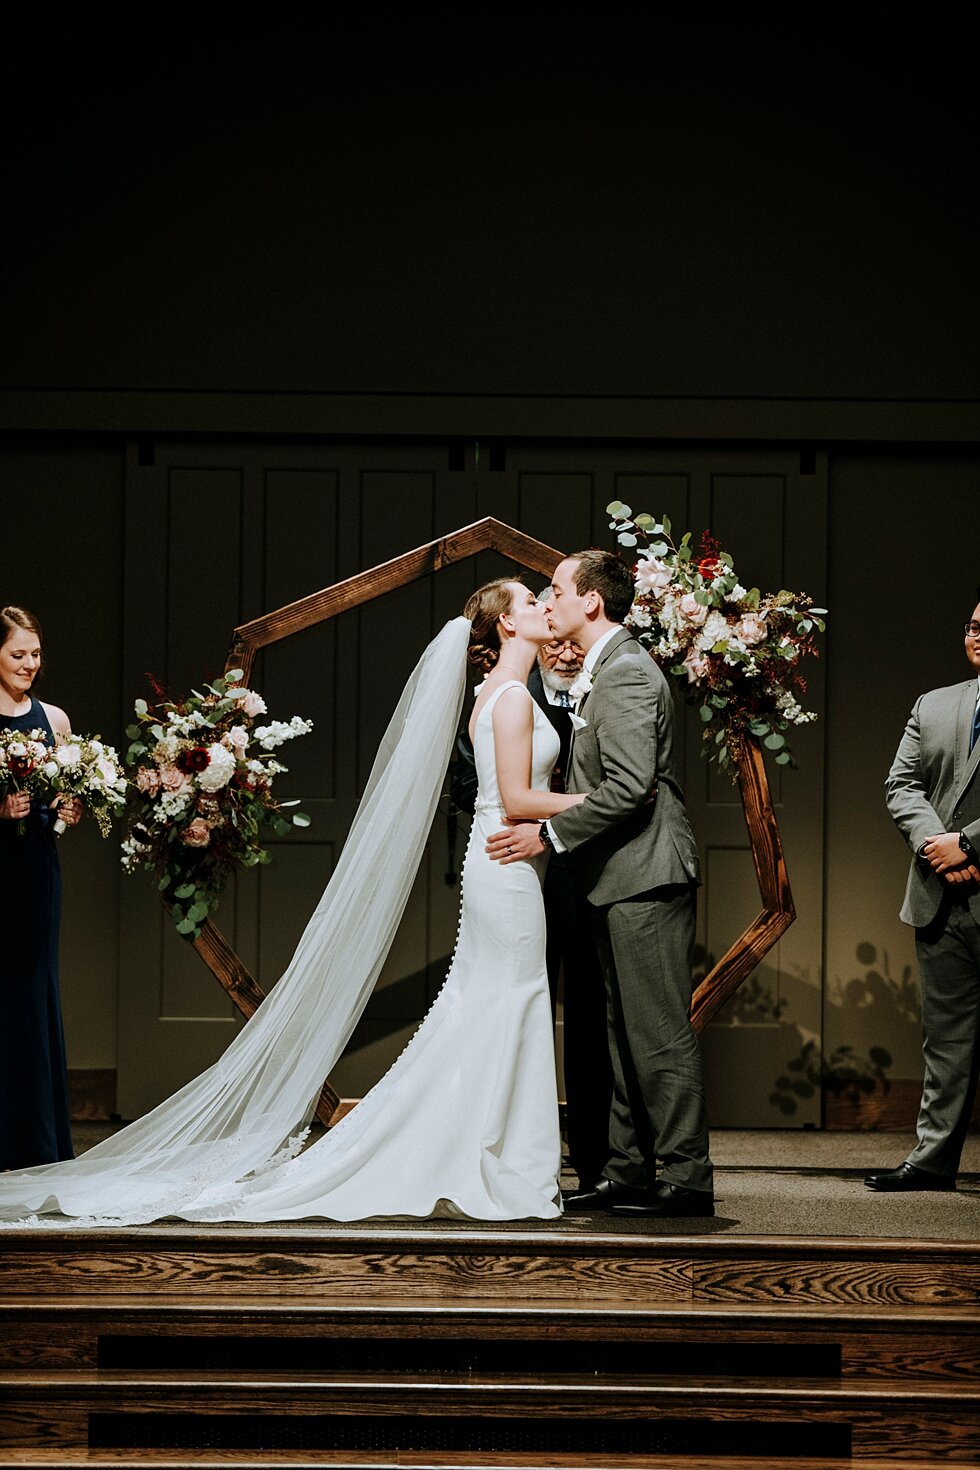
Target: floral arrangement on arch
(736, 649)
(201, 774)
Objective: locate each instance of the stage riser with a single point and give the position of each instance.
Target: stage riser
(875, 1426)
(921, 1279)
(907, 1350)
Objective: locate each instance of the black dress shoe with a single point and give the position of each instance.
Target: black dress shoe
(603, 1196)
(668, 1202)
(907, 1177)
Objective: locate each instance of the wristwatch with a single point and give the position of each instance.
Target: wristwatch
(967, 846)
(544, 837)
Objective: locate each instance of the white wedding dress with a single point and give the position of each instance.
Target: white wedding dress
(465, 1122)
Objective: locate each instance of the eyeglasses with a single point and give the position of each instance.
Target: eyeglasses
(972, 630)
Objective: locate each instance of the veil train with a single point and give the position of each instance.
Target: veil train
(251, 1107)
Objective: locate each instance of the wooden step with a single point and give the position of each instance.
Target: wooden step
(209, 1459)
(505, 1266)
(862, 1417)
(82, 1332)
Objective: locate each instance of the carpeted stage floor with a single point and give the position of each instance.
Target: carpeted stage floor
(778, 1182)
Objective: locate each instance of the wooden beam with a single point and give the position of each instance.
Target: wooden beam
(778, 910)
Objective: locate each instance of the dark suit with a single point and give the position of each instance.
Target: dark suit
(638, 864)
(933, 787)
(571, 952)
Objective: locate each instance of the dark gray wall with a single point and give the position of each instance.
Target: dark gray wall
(606, 201)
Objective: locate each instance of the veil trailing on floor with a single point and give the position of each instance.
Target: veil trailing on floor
(251, 1107)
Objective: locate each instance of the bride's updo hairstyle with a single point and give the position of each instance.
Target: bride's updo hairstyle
(488, 604)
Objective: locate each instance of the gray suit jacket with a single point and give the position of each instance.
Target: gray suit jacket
(930, 782)
(623, 843)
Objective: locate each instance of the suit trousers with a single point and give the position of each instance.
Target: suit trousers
(571, 956)
(949, 965)
(645, 946)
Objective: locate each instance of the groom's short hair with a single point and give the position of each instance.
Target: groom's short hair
(603, 572)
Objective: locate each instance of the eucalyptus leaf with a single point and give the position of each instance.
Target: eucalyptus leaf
(186, 890)
(705, 713)
(784, 758)
(140, 706)
(702, 598)
(187, 926)
(300, 819)
(614, 508)
(665, 526)
(775, 741)
(232, 676)
(133, 732)
(659, 548)
(626, 538)
(198, 912)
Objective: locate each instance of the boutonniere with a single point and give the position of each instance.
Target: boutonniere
(581, 687)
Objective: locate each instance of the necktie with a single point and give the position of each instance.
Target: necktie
(975, 731)
(564, 702)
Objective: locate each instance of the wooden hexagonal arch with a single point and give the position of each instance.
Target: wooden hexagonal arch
(735, 964)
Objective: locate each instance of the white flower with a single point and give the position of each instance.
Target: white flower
(737, 593)
(278, 732)
(171, 804)
(219, 770)
(717, 629)
(252, 704)
(50, 769)
(653, 576)
(581, 687)
(67, 755)
(238, 737)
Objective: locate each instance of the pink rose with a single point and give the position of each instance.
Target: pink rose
(196, 833)
(171, 779)
(752, 628)
(148, 780)
(691, 610)
(696, 665)
(237, 737)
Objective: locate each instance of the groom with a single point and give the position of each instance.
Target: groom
(638, 865)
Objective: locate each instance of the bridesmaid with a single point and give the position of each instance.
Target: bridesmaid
(34, 1127)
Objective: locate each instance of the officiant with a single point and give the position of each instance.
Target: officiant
(571, 954)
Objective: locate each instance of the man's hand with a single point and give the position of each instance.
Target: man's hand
(969, 873)
(943, 852)
(519, 843)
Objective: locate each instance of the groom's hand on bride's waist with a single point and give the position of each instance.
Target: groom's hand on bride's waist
(517, 844)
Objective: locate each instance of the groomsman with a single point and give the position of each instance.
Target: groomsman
(934, 797)
(571, 950)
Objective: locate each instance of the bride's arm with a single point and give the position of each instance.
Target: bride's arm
(513, 729)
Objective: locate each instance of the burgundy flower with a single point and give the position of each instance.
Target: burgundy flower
(193, 760)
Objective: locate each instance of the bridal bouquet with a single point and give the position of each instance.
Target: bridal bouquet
(201, 775)
(23, 754)
(83, 766)
(737, 649)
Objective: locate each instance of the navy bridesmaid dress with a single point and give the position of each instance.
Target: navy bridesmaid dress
(34, 1112)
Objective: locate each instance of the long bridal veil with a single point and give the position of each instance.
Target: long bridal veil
(244, 1111)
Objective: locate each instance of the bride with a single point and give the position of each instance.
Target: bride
(465, 1122)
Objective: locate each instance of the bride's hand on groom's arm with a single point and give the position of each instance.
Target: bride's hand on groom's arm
(517, 844)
